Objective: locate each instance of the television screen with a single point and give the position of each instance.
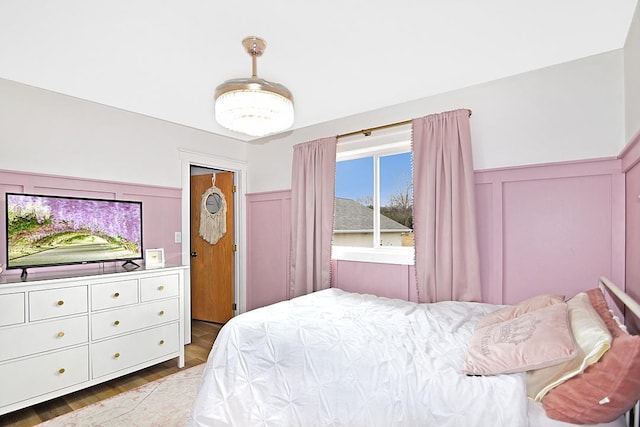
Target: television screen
(53, 230)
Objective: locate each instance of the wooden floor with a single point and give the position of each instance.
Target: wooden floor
(202, 336)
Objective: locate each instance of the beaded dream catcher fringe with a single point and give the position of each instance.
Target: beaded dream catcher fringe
(213, 226)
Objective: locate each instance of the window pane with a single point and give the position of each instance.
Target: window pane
(353, 224)
(396, 200)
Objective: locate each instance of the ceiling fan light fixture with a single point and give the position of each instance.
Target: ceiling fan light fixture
(254, 106)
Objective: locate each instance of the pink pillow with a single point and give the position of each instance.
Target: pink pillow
(600, 304)
(513, 311)
(530, 341)
(605, 390)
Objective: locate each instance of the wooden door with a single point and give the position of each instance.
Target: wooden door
(212, 265)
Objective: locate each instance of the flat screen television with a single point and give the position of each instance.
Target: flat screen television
(46, 231)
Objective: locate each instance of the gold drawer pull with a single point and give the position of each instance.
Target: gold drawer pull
(116, 295)
(61, 371)
(116, 323)
(161, 288)
(161, 313)
(115, 356)
(60, 334)
(60, 302)
(161, 342)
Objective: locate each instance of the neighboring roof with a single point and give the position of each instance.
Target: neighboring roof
(352, 216)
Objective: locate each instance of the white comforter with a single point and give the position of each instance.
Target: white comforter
(334, 358)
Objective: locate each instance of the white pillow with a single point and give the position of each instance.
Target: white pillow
(592, 339)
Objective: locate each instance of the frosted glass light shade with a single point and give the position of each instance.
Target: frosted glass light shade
(255, 112)
(254, 106)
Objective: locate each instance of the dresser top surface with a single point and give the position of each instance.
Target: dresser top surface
(35, 277)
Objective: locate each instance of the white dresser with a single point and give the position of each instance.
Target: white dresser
(59, 335)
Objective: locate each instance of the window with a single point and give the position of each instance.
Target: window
(374, 201)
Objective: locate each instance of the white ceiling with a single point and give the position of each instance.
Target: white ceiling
(164, 58)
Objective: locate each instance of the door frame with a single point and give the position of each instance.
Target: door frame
(239, 168)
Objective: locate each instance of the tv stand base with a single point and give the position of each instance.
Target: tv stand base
(130, 265)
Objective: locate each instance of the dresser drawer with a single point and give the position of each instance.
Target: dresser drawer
(114, 294)
(128, 319)
(124, 352)
(57, 302)
(152, 288)
(11, 309)
(28, 378)
(38, 337)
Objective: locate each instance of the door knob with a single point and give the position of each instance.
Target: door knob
(194, 254)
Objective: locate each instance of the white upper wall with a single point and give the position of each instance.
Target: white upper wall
(571, 111)
(632, 77)
(164, 59)
(48, 133)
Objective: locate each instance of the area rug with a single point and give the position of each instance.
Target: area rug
(164, 402)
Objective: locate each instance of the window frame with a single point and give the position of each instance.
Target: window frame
(397, 141)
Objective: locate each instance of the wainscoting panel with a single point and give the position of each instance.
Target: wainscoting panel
(554, 228)
(268, 233)
(489, 225)
(631, 167)
(384, 280)
(557, 232)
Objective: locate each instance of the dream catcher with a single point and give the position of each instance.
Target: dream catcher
(213, 214)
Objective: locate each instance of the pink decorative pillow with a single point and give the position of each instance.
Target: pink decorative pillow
(533, 340)
(513, 311)
(599, 303)
(605, 390)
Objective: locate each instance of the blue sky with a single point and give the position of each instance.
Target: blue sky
(354, 178)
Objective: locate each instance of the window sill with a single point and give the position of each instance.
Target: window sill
(385, 255)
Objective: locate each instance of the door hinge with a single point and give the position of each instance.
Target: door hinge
(234, 307)
(234, 248)
(234, 189)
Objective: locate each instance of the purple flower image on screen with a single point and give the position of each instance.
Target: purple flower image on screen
(97, 230)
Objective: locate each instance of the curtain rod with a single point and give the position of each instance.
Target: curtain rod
(367, 132)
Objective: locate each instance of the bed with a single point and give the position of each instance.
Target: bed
(333, 358)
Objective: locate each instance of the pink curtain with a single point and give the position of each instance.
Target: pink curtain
(446, 245)
(312, 198)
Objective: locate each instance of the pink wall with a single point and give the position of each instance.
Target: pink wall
(386, 280)
(631, 166)
(550, 228)
(544, 228)
(160, 207)
(268, 231)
